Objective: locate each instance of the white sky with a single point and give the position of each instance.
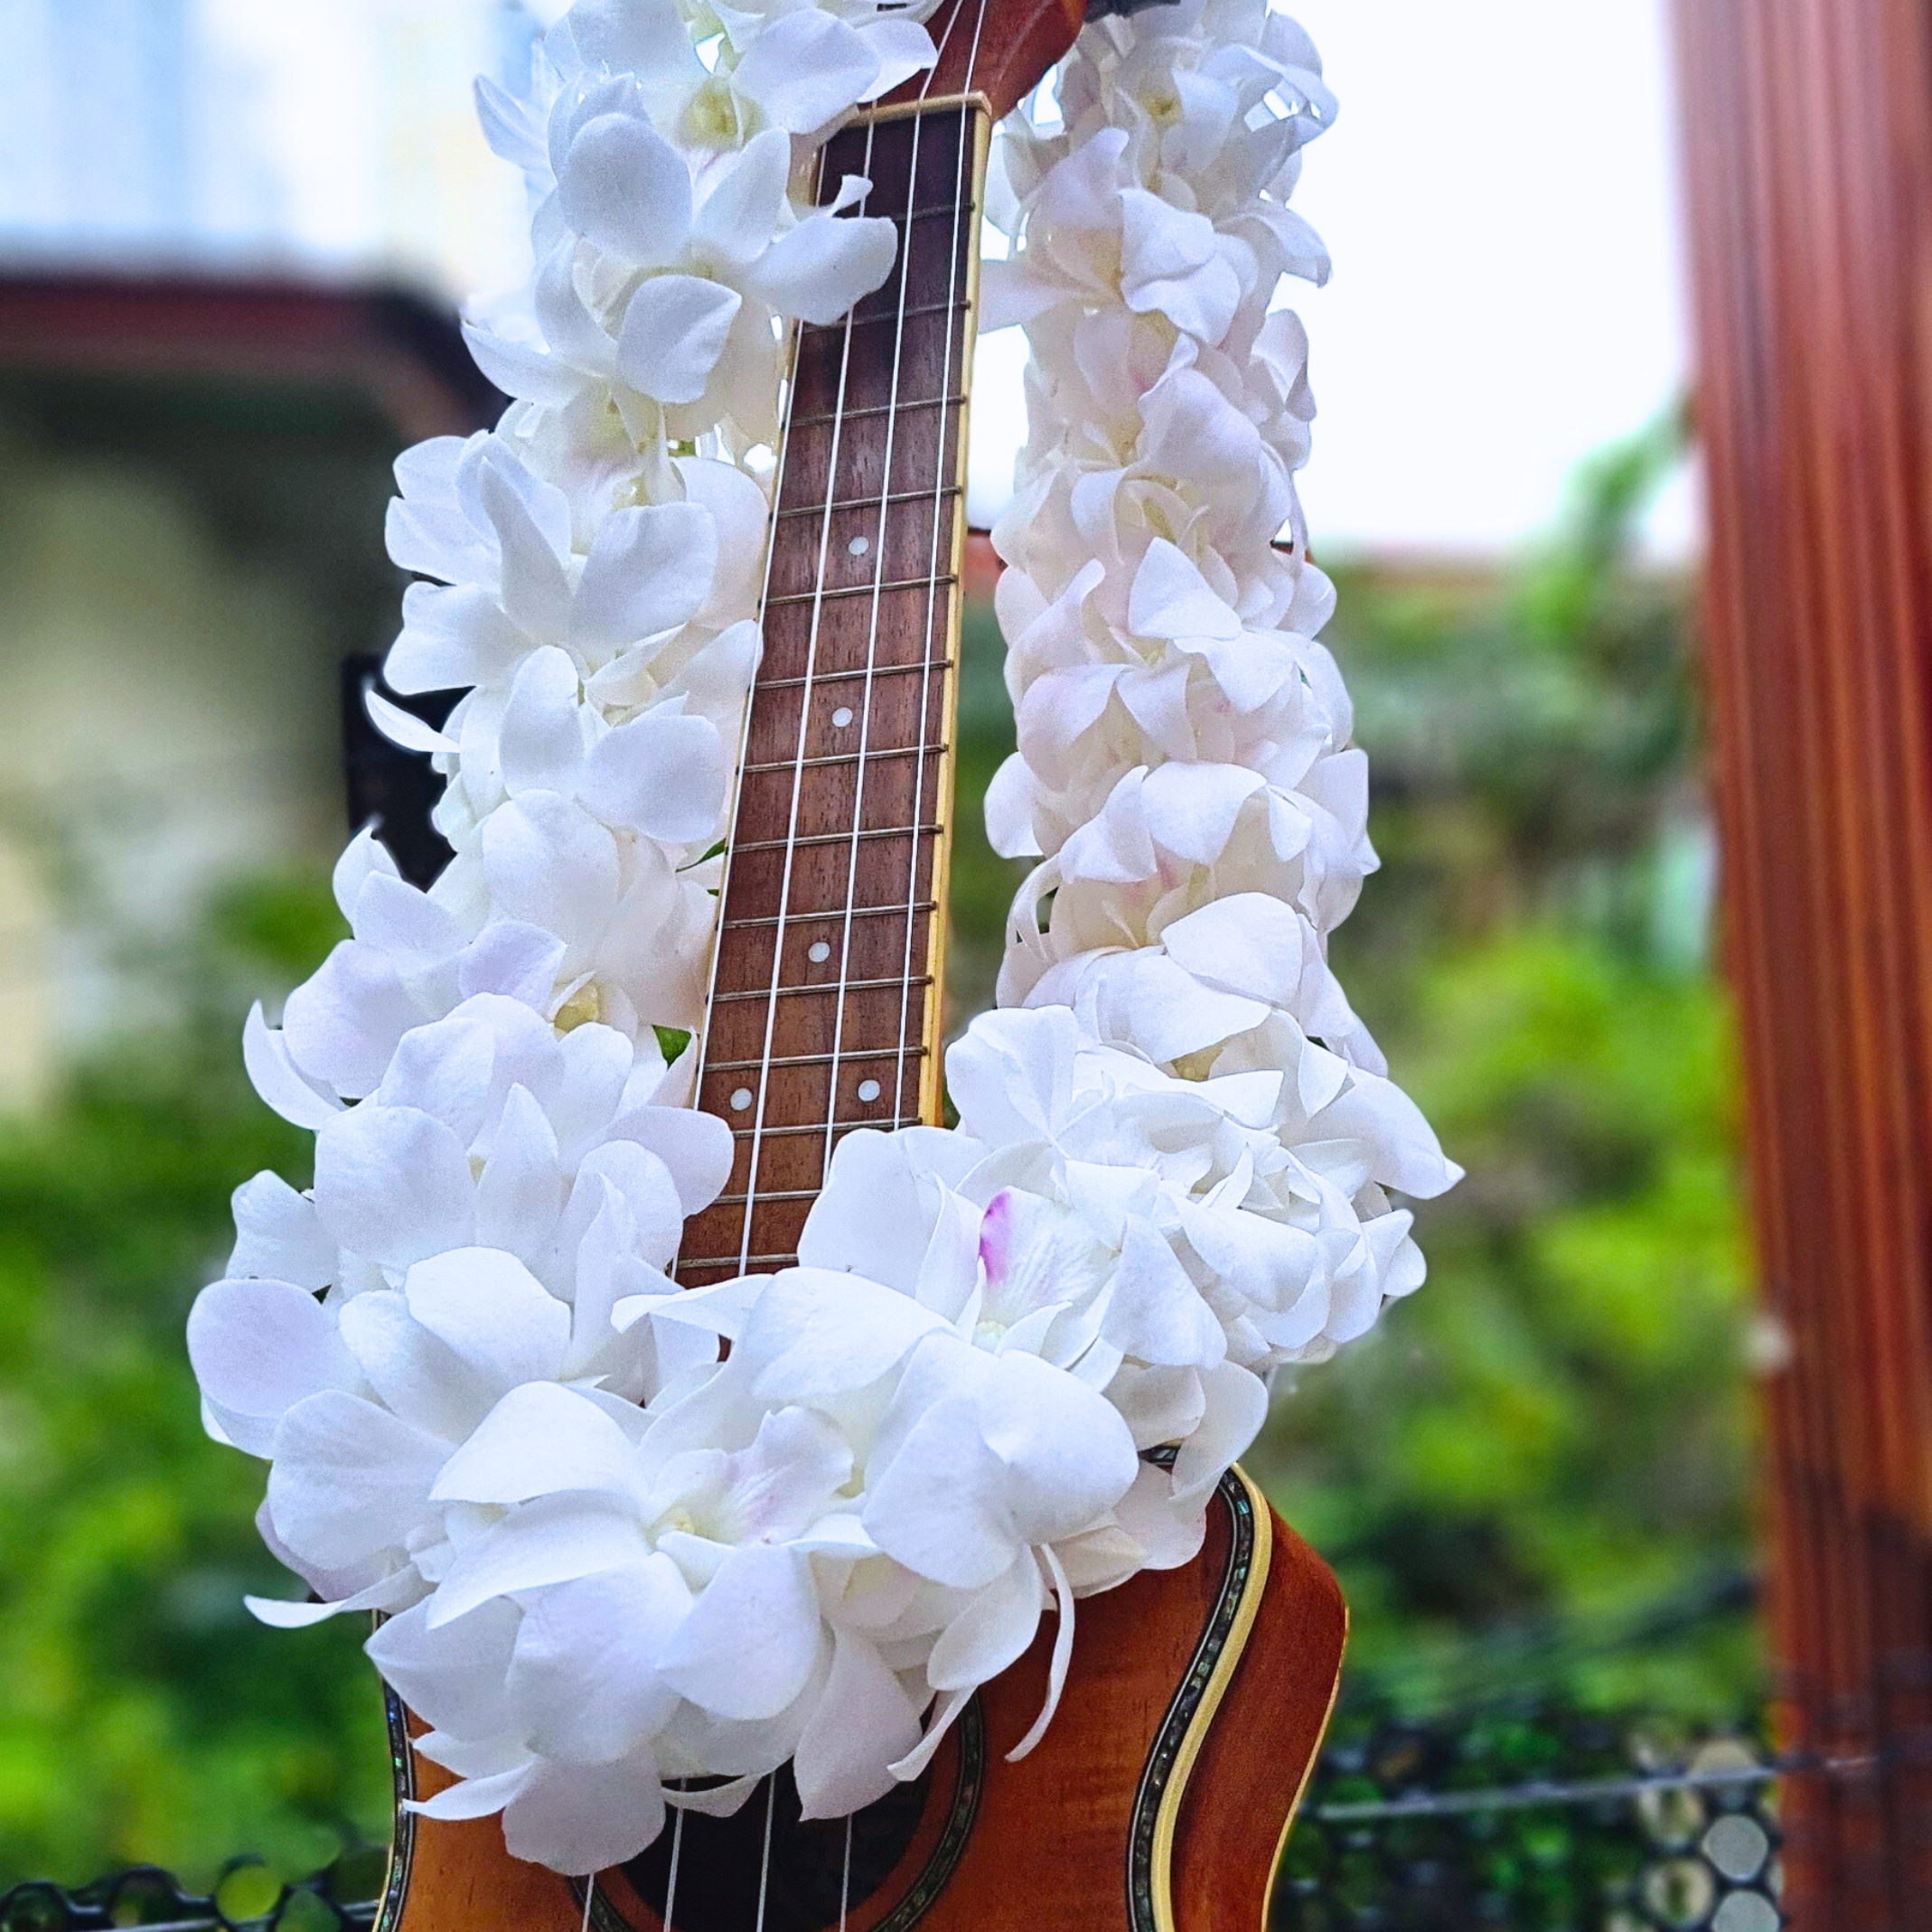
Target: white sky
(1500, 199)
(1498, 195)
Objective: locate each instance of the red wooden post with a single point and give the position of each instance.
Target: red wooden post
(1809, 158)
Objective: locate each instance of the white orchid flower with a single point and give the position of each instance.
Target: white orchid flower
(413, 956)
(548, 1708)
(361, 1405)
(488, 1128)
(635, 932)
(796, 64)
(662, 292)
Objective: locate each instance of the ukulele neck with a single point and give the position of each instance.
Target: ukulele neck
(825, 1004)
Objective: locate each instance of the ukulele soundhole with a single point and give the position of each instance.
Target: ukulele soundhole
(904, 1849)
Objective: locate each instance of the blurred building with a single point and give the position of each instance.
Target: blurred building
(203, 384)
(335, 135)
(193, 473)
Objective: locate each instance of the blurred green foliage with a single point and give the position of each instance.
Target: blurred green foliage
(1534, 1478)
(1550, 1441)
(144, 1714)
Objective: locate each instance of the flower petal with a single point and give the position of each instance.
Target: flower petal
(673, 334)
(752, 1638)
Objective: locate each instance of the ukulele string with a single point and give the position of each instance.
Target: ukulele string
(845, 1875)
(861, 769)
(590, 1893)
(959, 212)
(764, 1863)
(806, 692)
(670, 1884)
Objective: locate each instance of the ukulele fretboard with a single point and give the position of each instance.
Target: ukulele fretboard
(824, 1012)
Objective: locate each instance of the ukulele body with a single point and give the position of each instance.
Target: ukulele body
(1157, 1801)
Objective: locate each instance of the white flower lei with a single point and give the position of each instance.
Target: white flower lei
(609, 1560)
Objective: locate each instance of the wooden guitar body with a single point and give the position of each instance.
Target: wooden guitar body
(1157, 1801)
(1198, 1697)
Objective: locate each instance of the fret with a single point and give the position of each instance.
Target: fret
(824, 1129)
(894, 497)
(924, 214)
(863, 831)
(741, 1066)
(847, 912)
(730, 1262)
(863, 318)
(822, 594)
(853, 677)
(867, 756)
(840, 987)
(895, 408)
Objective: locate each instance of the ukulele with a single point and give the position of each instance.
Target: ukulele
(1160, 1796)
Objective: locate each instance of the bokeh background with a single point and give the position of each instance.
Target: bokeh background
(232, 239)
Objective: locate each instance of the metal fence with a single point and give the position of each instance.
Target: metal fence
(1524, 1821)
(1535, 1821)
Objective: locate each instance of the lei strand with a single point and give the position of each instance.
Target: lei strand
(608, 1562)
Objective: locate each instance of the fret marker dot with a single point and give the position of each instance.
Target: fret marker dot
(857, 547)
(869, 1090)
(841, 717)
(817, 953)
(741, 1100)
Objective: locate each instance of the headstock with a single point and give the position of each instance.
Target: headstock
(1002, 49)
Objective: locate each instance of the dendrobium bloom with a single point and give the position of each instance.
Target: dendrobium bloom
(361, 1405)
